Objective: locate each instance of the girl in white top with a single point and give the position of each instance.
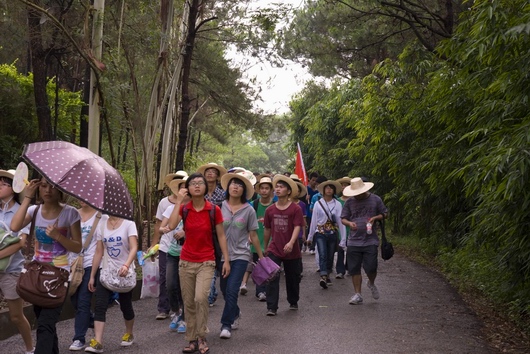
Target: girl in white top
(119, 240)
(57, 231)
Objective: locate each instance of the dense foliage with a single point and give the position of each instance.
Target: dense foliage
(445, 135)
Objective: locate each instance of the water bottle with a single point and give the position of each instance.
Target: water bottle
(369, 228)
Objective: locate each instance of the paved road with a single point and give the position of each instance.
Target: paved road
(418, 312)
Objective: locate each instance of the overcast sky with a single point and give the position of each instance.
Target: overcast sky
(278, 85)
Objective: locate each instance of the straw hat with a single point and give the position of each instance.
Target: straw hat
(302, 189)
(248, 174)
(356, 187)
(263, 180)
(11, 175)
(338, 187)
(219, 168)
(344, 180)
(295, 177)
(243, 178)
(289, 181)
(175, 184)
(177, 175)
(261, 175)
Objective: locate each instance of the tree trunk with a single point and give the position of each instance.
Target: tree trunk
(186, 70)
(38, 64)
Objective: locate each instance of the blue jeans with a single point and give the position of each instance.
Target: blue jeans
(230, 289)
(173, 284)
(81, 301)
(163, 301)
(212, 296)
(326, 250)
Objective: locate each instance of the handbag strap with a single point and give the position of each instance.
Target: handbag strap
(32, 225)
(382, 226)
(325, 211)
(89, 237)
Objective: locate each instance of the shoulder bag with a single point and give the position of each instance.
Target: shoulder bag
(6, 239)
(77, 271)
(110, 279)
(330, 227)
(42, 284)
(387, 250)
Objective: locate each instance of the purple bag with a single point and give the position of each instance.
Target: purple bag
(265, 271)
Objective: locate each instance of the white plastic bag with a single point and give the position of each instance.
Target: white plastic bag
(151, 279)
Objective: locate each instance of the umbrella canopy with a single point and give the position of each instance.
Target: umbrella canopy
(82, 174)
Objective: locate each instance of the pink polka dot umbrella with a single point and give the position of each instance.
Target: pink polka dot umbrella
(82, 174)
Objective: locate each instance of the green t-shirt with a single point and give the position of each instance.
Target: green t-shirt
(260, 213)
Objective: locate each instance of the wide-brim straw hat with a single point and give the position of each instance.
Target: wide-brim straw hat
(242, 177)
(329, 182)
(302, 189)
(356, 187)
(289, 181)
(177, 175)
(344, 180)
(11, 175)
(221, 169)
(175, 184)
(295, 177)
(264, 179)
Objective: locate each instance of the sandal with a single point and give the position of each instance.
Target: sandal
(203, 346)
(192, 347)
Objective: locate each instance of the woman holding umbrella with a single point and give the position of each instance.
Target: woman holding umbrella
(57, 231)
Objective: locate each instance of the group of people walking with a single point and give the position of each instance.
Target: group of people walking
(216, 223)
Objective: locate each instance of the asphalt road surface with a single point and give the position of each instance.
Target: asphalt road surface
(418, 312)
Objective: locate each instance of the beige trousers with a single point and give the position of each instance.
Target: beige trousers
(195, 280)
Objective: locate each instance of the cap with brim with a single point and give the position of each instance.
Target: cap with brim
(240, 176)
(263, 180)
(356, 187)
(338, 187)
(219, 168)
(344, 180)
(177, 175)
(11, 175)
(175, 184)
(289, 181)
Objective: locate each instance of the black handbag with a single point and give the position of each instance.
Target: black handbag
(387, 250)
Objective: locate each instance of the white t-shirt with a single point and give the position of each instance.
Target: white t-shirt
(165, 239)
(116, 242)
(86, 226)
(49, 250)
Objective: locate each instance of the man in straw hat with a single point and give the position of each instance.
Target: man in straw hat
(360, 212)
(283, 221)
(164, 242)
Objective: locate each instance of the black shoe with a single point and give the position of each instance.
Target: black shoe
(328, 281)
(271, 312)
(323, 283)
(293, 307)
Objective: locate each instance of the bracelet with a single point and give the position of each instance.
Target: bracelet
(125, 265)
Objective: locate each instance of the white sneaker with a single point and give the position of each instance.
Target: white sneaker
(235, 325)
(356, 299)
(262, 297)
(243, 289)
(225, 334)
(32, 351)
(373, 288)
(76, 345)
(127, 340)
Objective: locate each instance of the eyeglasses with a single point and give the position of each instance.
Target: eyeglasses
(237, 184)
(197, 184)
(5, 185)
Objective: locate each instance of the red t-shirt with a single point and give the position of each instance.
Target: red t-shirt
(282, 224)
(198, 227)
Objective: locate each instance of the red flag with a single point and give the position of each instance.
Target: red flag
(299, 168)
